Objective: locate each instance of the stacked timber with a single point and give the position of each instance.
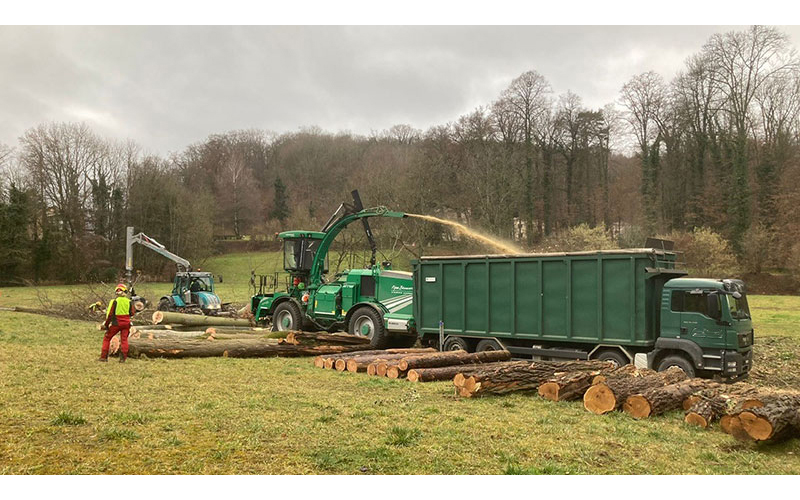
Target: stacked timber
(175, 318)
(524, 376)
(170, 344)
(568, 386)
(315, 338)
(658, 400)
(612, 393)
(714, 402)
(329, 361)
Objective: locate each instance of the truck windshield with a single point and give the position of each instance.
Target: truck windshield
(739, 308)
(298, 254)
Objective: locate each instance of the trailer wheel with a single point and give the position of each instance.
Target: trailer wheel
(456, 344)
(366, 322)
(164, 305)
(615, 357)
(679, 361)
(287, 316)
(488, 345)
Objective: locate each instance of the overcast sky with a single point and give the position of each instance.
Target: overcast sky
(167, 87)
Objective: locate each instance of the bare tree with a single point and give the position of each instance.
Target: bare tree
(526, 100)
(643, 97)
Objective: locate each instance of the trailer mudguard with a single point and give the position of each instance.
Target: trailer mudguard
(694, 351)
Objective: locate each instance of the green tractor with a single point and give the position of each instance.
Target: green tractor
(375, 302)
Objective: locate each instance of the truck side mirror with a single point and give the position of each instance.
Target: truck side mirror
(713, 306)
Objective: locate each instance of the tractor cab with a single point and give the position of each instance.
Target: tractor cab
(193, 290)
(299, 250)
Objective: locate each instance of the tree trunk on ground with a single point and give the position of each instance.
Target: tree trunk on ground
(705, 411)
(196, 319)
(448, 372)
(611, 394)
(237, 348)
(140, 333)
(513, 378)
(772, 422)
(567, 386)
(452, 358)
(659, 400)
(717, 389)
(320, 361)
(359, 363)
(323, 338)
(236, 329)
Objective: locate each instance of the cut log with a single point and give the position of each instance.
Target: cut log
(141, 333)
(236, 348)
(611, 394)
(567, 386)
(324, 338)
(659, 400)
(524, 377)
(452, 358)
(320, 362)
(211, 330)
(394, 372)
(196, 319)
(772, 422)
(705, 411)
(359, 363)
(449, 372)
(623, 371)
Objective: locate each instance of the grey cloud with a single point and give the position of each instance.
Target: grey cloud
(166, 87)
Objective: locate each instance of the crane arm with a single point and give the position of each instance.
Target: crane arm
(146, 241)
(336, 227)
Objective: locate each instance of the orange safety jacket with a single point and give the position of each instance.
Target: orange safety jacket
(119, 312)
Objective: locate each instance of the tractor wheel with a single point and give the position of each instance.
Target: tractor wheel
(287, 316)
(367, 322)
(456, 344)
(488, 345)
(615, 357)
(164, 305)
(680, 362)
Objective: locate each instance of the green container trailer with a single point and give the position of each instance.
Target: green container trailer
(621, 305)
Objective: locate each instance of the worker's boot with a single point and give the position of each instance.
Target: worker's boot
(122, 358)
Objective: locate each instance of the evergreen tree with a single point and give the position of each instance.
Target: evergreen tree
(280, 209)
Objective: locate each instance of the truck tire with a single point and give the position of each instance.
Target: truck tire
(456, 344)
(287, 316)
(164, 305)
(367, 322)
(679, 361)
(614, 356)
(488, 345)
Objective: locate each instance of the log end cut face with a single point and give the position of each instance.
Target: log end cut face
(637, 406)
(549, 390)
(599, 399)
(693, 418)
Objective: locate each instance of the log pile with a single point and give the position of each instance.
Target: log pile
(611, 394)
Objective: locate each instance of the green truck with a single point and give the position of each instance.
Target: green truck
(624, 306)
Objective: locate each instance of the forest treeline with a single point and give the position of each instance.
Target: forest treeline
(708, 157)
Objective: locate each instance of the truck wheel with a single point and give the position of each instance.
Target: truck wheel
(456, 344)
(164, 305)
(366, 322)
(679, 361)
(615, 357)
(488, 345)
(287, 316)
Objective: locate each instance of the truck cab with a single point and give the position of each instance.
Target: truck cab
(707, 323)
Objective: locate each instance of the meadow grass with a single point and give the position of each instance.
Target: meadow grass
(62, 412)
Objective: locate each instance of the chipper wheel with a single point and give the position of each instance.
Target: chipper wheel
(287, 316)
(367, 322)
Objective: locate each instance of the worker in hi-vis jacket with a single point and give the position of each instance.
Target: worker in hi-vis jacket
(118, 320)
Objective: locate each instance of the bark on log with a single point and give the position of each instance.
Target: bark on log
(320, 338)
(196, 319)
(623, 371)
(567, 386)
(611, 394)
(452, 358)
(512, 378)
(659, 400)
(449, 372)
(772, 422)
(237, 348)
(219, 329)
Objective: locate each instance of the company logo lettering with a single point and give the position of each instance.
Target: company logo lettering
(401, 289)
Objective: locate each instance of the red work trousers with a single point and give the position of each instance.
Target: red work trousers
(123, 340)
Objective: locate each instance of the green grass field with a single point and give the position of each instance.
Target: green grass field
(62, 412)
